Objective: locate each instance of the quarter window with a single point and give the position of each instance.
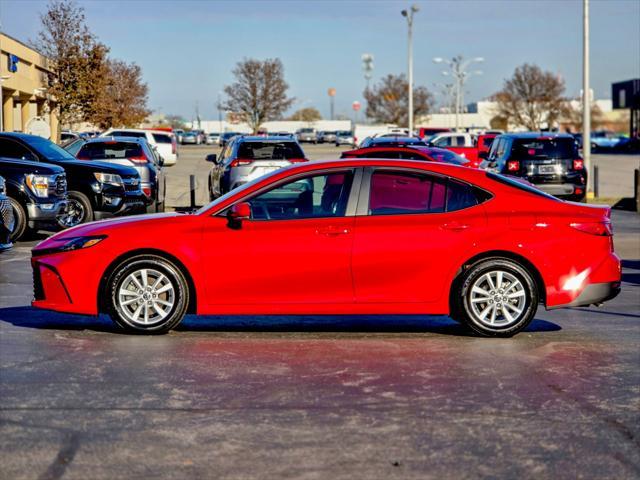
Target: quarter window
(318, 196)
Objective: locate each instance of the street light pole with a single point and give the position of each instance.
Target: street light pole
(586, 99)
(409, 16)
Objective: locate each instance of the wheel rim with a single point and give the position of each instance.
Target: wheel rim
(73, 214)
(146, 297)
(497, 299)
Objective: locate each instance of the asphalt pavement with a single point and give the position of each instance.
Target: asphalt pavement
(315, 397)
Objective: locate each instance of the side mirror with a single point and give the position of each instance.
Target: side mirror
(238, 213)
(213, 158)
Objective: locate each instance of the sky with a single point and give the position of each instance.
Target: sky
(187, 49)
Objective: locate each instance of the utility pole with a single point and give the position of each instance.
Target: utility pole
(409, 16)
(586, 99)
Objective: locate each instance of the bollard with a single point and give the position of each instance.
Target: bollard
(192, 190)
(636, 188)
(595, 182)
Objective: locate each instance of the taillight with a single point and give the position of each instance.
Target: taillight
(513, 165)
(139, 159)
(239, 162)
(578, 164)
(298, 160)
(146, 190)
(602, 229)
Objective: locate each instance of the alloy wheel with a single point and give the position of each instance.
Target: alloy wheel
(146, 297)
(72, 215)
(497, 299)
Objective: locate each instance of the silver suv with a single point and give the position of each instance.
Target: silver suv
(246, 158)
(307, 135)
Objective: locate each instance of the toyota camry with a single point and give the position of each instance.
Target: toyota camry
(353, 236)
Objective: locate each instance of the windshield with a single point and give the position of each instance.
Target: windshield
(270, 150)
(111, 150)
(47, 148)
(541, 148)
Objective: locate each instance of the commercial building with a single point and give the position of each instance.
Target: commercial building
(23, 82)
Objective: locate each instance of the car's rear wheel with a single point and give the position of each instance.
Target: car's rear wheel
(20, 225)
(147, 294)
(497, 298)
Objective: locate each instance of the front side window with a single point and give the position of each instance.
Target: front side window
(11, 149)
(393, 193)
(318, 196)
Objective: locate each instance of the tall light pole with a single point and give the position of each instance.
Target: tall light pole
(409, 16)
(458, 70)
(586, 98)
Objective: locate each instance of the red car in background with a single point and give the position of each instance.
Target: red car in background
(429, 154)
(476, 154)
(341, 237)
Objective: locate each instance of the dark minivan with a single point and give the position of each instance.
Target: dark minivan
(550, 161)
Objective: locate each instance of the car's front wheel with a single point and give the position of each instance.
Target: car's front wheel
(20, 225)
(497, 297)
(79, 210)
(147, 294)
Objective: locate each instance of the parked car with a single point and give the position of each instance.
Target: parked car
(164, 141)
(37, 193)
(136, 153)
(226, 136)
(345, 137)
(7, 220)
(201, 136)
(178, 132)
(327, 137)
(308, 135)
(245, 158)
(66, 136)
(476, 153)
(451, 139)
(550, 161)
(393, 141)
(190, 138)
(95, 189)
(213, 138)
(428, 154)
(606, 140)
(341, 237)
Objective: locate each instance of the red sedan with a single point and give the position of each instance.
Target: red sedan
(341, 237)
(429, 154)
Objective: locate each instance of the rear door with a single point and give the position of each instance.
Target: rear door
(411, 230)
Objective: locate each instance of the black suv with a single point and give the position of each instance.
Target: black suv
(96, 190)
(37, 194)
(550, 161)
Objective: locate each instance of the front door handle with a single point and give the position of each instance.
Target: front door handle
(455, 226)
(332, 231)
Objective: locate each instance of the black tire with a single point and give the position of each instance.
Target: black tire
(121, 314)
(21, 226)
(80, 202)
(498, 323)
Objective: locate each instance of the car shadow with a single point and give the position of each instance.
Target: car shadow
(28, 317)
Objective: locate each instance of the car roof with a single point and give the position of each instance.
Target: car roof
(268, 138)
(536, 135)
(110, 138)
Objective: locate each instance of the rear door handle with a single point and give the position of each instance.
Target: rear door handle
(455, 226)
(332, 231)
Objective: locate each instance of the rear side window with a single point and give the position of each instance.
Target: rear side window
(269, 150)
(161, 138)
(393, 193)
(543, 148)
(110, 151)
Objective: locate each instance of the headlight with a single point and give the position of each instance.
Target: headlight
(3, 186)
(70, 244)
(38, 184)
(109, 179)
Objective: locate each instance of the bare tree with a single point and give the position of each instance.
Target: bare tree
(259, 93)
(388, 101)
(531, 98)
(123, 101)
(309, 114)
(78, 60)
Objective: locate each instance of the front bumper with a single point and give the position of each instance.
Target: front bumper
(116, 205)
(45, 212)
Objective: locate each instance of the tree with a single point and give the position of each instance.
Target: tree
(387, 102)
(309, 114)
(123, 101)
(259, 93)
(78, 60)
(573, 116)
(176, 121)
(531, 98)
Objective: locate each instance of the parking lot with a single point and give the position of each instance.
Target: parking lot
(322, 396)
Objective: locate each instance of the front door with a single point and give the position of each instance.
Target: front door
(295, 248)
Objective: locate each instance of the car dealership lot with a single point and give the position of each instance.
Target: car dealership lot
(327, 396)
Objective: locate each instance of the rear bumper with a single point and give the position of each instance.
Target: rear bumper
(593, 294)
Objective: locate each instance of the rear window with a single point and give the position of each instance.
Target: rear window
(110, 151)
(269, 150)
(306, 130)
(516, 183)
(128, 134)
(161, 138)
(542, 148)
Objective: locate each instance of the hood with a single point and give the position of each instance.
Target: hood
(102, 167)
(27, 166)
